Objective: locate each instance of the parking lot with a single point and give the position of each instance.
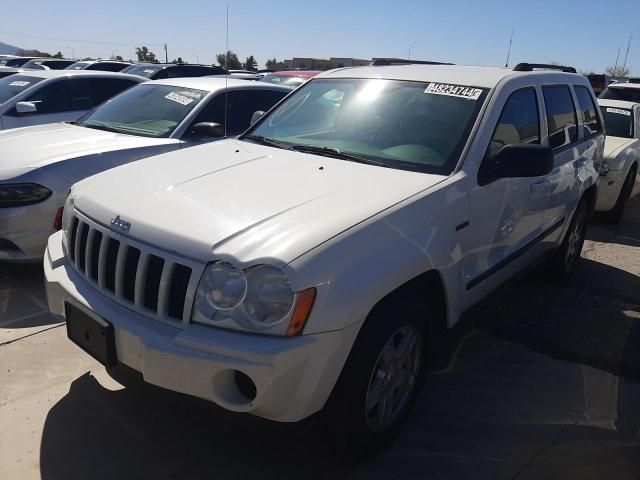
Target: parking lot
(544, 387)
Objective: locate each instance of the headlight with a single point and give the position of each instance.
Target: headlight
(67, 215)
(258, 298)
(20, 194)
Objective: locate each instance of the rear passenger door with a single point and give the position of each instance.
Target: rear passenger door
(573, 150)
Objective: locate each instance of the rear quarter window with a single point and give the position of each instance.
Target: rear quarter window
(590, 119)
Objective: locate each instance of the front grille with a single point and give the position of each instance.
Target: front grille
(133, 275)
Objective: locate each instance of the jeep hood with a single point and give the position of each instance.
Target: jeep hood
(24, 149)
(244, 201)
(614, 145)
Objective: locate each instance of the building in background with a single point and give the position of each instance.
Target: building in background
(323, 63)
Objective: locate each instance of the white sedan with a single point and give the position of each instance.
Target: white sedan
(35, 97)
(39, 164)
(622, 154)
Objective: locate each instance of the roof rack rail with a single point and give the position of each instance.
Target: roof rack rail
(530, 67)
(379, 62)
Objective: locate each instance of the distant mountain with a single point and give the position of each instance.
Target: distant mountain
(6, 49)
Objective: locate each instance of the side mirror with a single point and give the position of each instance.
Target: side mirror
(207, 129)
(26, 107)
(256, 116)
(517, 161)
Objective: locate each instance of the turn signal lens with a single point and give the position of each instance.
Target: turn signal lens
(301, 312)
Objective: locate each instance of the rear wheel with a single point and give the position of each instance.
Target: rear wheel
(564, 260)
(615, 214)
(381, 379)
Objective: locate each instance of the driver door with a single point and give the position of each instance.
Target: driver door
(506, 214)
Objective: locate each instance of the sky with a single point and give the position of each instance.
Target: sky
(586, 34)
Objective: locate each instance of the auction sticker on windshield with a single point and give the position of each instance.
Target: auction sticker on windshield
(181, 99)
(449, 90)
(619, 111)
(19, 83)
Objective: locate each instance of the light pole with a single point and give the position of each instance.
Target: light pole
(409, 56)
(73, 53)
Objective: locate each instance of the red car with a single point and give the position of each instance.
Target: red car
(290, 78)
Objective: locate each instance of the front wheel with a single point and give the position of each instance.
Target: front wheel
(615, 214)
(381, 379)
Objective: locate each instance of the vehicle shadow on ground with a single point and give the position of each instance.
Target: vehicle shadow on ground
(592, 319)
(23, 301)
(500, 406)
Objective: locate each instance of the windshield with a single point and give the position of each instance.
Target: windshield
(621, 93)
(78, 66)
(145, 110)
(14, 62)
(619, 121)
(418, 126)
(287, 80)
(14, 84)
(142, 70)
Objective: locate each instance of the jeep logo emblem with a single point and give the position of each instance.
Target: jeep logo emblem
(121, 224)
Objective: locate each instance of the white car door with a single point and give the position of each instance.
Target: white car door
(65, 99)
(505, 214)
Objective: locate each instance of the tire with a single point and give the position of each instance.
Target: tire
(615, 214)
(378, 387)
(563, 262)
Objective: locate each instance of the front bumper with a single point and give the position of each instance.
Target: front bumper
(24, 230)
(609, 188)
(293, 376)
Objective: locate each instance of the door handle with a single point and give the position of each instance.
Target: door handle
(581, 162)
(539, 185)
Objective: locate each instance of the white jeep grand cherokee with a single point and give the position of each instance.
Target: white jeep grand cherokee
(319, 260)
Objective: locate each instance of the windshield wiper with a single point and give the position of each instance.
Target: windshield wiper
(267, 141)
(337, 153)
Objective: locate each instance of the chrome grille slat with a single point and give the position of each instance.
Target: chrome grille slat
(102, 259)
(165, 284)
(141, 277)
(122, 256)
(88, 251)
(151, 282)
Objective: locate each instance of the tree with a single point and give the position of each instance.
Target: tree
(119, 58)
(145, 55)
(58, 55)
(618, 71)
(229, 61)
(250, 63)
(32, 53)
(271, 64)
(178, 60)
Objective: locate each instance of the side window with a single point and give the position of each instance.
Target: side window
(160, 74)
(518, 123)
(589, 116)
(105, 88)
(63, 96)
(561, 116)
(241, 106)
(174, 72)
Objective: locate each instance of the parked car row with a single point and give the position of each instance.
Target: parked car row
(321, 256)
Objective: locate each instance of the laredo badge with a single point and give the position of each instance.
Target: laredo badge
(459, 91)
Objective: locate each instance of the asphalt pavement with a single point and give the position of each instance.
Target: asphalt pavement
(546, 387)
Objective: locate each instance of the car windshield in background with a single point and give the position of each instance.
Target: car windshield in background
(418, 126)
(15, 62)
(78, 66)
(287, 80)
(142, 70)
(619, 121)
(621, 93)
(14, 84)
(145, 110)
